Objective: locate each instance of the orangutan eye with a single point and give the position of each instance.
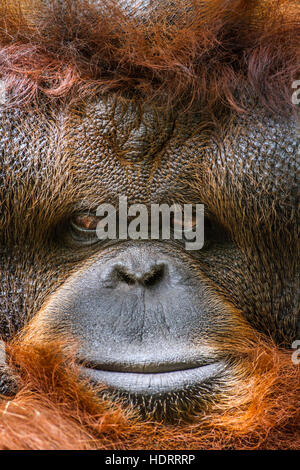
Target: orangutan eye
(83, 229)
(189, 224)
(181, 223)
(85, 222)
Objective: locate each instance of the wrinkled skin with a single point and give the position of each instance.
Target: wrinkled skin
(56, 163)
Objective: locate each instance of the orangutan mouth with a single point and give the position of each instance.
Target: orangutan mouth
(167, 378)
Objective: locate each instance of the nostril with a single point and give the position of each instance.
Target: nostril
(154, 276)
(124, 276)
(147, 278)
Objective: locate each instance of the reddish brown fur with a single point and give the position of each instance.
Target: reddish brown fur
(54, 411)
(217, 53)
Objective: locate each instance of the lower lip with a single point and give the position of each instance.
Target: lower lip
(154, 383)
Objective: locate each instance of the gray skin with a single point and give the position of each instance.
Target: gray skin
(149, 307)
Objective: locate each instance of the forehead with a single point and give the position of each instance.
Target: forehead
(137, 150)
(110, 147)
(150, 154)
